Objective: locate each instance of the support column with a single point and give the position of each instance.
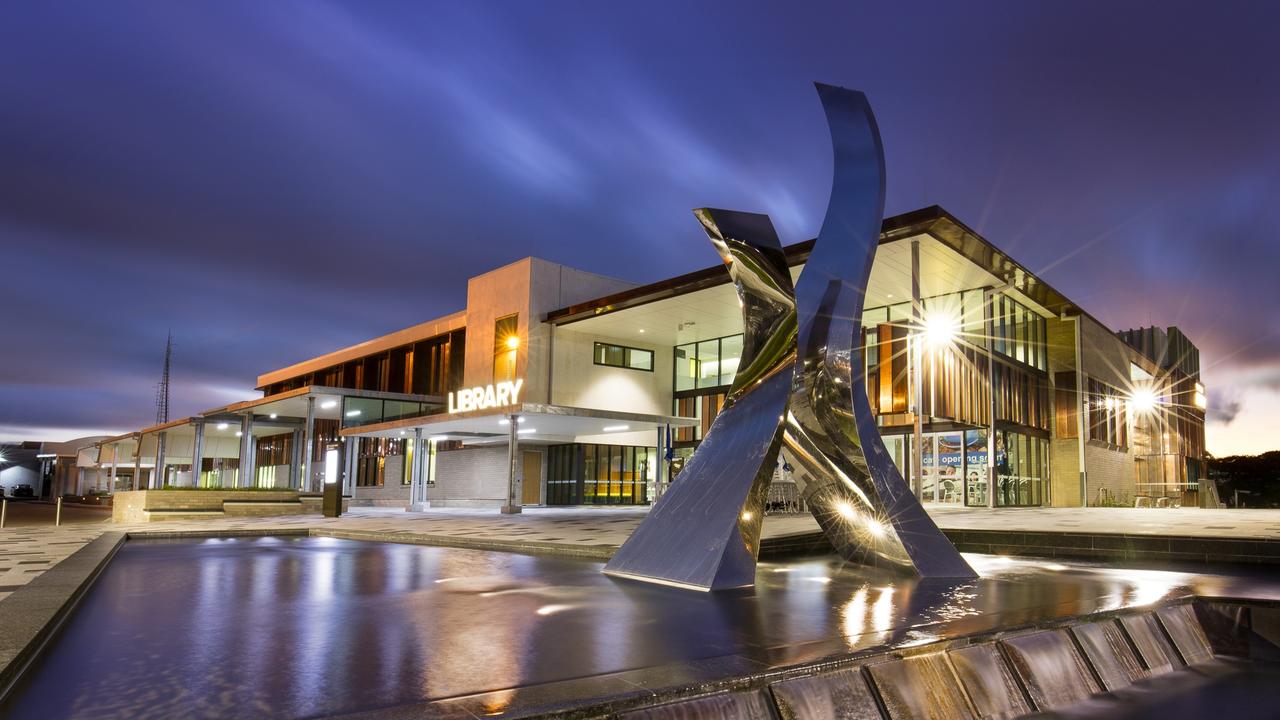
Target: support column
(136, 483)
(660, 467)
(308, 443)
(917, 381)
(246, 452)
(415, 473)
(513, 446)
(295, 460)
(115, 462)
(197, 453)
(157, 476)
(350, 454)
(989, 306)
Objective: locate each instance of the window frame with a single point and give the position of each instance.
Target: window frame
(626, 356)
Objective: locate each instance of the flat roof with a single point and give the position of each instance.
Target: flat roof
(933, 221)
(421, 331)
(289, 404)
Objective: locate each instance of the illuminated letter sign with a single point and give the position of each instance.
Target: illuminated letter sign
(489, 396)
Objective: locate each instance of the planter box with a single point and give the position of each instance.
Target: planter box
(137, 505)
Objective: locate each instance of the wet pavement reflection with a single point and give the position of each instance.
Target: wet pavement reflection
(294, 627)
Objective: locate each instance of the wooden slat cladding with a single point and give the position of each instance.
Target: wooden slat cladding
(1021, 396)
(887, 377)
(954, 378)
(955, 385)
(703, 407)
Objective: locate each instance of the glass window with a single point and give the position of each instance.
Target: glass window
(506, 347)
(1018, 332)
(360, 411)
(396, 409)
(730, 355)
(639, 359)
(709, 363)
(623, 357)
(686, 361)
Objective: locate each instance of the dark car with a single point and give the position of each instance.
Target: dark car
(23, 491)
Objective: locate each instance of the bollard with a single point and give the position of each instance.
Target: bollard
(4, 510)
(57, 518)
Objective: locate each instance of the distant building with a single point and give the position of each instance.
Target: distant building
(1027, 400)
(20, 469)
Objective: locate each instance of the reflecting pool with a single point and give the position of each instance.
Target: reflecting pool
(295, 627)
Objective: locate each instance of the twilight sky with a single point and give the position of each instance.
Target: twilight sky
(274, 180)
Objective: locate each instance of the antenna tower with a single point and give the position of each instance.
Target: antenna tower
(162, 390)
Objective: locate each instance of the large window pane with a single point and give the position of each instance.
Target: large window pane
(686, 367)
(360, 411)
(639, 359)
(623, 357)
(708, 363)
(730, 354)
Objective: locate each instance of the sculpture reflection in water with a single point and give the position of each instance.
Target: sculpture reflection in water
(802, 385)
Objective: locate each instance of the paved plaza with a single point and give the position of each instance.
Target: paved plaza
(30, 548)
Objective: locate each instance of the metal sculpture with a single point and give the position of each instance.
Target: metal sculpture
(705, 533)
(852, 486)
(800, 384)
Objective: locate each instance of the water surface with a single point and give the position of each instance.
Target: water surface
(298, 627)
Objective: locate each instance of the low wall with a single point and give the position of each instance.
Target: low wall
(134, 505)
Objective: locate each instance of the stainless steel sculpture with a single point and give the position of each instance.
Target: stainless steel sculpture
(704, 532)
(852, 486)
(801, 383)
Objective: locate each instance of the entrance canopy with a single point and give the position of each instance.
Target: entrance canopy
(538, 423)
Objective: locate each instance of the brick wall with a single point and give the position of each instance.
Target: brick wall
(391, 494)
(471, 477)
(1106, 358)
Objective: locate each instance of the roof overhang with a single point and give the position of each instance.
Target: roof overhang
(539, 423)
(932, 221)
(277, 413)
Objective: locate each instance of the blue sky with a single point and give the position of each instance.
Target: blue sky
(273, 180)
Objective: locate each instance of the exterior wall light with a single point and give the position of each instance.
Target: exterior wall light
(940, 329)
(1142, 400)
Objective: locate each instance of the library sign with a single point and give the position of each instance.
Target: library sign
(486, 397)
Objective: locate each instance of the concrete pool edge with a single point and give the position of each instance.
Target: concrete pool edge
(34, 612)
(631, 693)
(1108, 548)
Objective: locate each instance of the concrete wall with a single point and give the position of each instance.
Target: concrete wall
(531, 288)
(579, 382)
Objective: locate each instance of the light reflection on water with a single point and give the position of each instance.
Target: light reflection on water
(305, 626)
